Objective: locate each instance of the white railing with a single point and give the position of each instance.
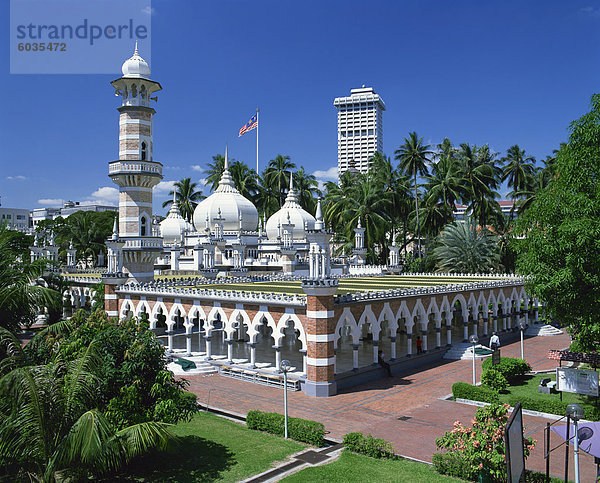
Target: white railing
(134, 167)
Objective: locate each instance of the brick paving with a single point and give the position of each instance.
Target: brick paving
(375, 407)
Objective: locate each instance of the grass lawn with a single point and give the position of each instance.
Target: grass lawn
(212, 449)
(345, 285)
(529, 388)
(359, 468)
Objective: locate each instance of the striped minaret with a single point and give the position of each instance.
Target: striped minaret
(136, 172)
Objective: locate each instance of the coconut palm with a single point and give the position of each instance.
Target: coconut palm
(49, 428)
(215, 170)
(23, 293)
(267, 198)
(413, 157)
(463, 247)
(187, 197)
(518, 168)
(307, 189)
(244, 179)
(278, 173)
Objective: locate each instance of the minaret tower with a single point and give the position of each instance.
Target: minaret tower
(136, 172)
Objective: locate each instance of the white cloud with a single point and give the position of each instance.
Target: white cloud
(51, 202)
(322, 176)
(163, 188)
(19, 177)
(104, 195)
(594, 12)
(148, 10)
(197, 167)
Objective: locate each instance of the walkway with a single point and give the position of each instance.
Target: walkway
(405, 410)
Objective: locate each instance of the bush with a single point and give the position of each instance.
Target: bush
(477, 451)
(511, 368)
(311, 432)
(552, 406)
(494, 380)
(476, 393)
(368, 445)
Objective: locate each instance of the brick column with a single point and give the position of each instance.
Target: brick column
(320, 334)
(111, 298)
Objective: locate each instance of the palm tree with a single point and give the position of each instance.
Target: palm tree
(307, 189)
(463, 247)
(244, 179)
(267, 198)
(215, 170)
(187, 197)
(49, 428)
(23, 293)
(518, 168)
(413, 156)
(278, 173)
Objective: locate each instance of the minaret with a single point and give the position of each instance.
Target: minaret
(136, 172)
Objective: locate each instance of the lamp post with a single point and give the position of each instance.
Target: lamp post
(575, 412)
(522, 326)
(474, 340)
(285, 366)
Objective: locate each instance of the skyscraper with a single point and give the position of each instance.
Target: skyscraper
(360, 128)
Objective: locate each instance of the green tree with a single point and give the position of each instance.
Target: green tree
(23, 292)
(278, 174)
(413, 157)
(559, 250)
(244, 179)
(49, 427)
(307, 190)
(187, 197)
(463, 247)
(215, 170)
(518, 169)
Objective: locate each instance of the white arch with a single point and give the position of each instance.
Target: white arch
(420, 312)
(212, 316)
(387, 314)
(347, 318)
(257, 320)
(197, 310)
(154, 313)
(283, 322)
(140, 305)
(493, 302)
(463, 304)
(368, 317)
(126, 306)
(230, 328)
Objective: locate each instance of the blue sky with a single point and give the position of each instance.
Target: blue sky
(497, 72)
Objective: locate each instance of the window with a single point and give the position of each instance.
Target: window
(143, 226)
(144, 151)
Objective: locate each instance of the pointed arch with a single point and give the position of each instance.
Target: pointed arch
(387, 314)
(368, 317)
(212, 316)
(347, 318)
(154, 314)
(257, 320)
(297, 324)
(143, 304)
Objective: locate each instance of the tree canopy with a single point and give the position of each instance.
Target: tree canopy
(560, 249)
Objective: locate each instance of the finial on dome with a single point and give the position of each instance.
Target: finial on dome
(359, 224)
(319, 225)
(115, 232)
(226, 164)
(135, 51)
(291, 181)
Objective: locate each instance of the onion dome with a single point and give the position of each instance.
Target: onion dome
(292, 211)
(135, 66)
(174, 226)
(236, 212)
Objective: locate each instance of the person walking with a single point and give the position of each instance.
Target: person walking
(384, 364)
(494, 341)
(419, 345)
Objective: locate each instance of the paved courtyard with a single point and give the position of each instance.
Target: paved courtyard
(405, 409)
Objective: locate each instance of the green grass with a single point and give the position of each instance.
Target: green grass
(345, 285)
(528, 387)
(212, 449)
(354, 467)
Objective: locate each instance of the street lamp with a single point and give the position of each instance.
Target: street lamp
(474, 340)
(575, 412)
(285, 366)
(522, 326)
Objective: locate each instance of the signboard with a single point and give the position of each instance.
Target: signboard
(513, 439)
(578, 381)
(496, 357)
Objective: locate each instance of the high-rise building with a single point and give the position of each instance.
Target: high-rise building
(360, 128)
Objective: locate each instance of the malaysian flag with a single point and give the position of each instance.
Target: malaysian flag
(251, 124)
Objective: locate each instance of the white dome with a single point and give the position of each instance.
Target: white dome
(135, 66)
(292, 211)
(174, 226)
(230, 204)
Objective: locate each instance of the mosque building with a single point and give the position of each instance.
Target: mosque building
(223, 305)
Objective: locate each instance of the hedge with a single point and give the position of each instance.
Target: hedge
(369, 446)
(307, 431)
(552, 406)
(463, 390)
(511, 368)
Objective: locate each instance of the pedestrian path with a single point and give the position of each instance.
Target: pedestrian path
(406, 409)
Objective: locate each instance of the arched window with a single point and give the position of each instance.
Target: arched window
(133, 90)
(144, 150)
(143, 92)
(143, 226)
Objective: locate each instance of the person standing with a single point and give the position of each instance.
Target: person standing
(494, 341)
(384, 364)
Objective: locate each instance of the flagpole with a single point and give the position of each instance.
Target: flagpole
(257, 126)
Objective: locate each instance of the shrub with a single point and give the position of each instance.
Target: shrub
(478, 450)
(307, 431)
(511, 368)
(368, 445)
(494, 380)
(476, 393)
